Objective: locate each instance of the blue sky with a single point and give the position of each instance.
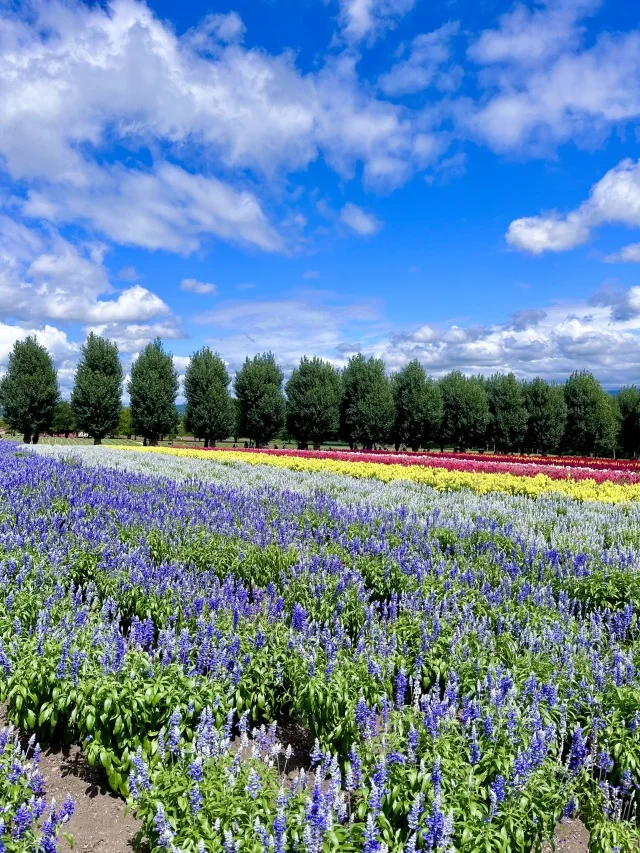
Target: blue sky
(453, 181)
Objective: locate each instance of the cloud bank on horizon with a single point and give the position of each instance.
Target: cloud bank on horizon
(391, 177)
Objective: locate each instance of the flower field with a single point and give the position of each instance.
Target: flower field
(459, 665)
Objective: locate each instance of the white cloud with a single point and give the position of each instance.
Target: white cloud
(76, 79)
(528, 37)
(628, 254)
(364, 224)
(129, 274)
(215, 28)
(423, 67)
(311, 274)
(614, 199)
(543, 87)
(132, 337)
(168, 208)
(304, 324)
(601, 335)
(43, 276)
(366, 19)
(195, 286)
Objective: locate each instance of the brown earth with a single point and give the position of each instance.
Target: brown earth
(99, 824)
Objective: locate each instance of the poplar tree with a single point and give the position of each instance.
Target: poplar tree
(261, 405)
(29, 390)
(97, 390)
(313, 402)
(209, 411)
(153, 389)
(367, 409)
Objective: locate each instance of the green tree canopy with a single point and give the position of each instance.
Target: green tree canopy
(465, 410)
(209, 411)
(29, 389)
(418, 407)
(628, 400)
(97, 391)
(508, 411)
(153, 388)
(547, 416)
(261, 405)
(64, 419)
(313, 402)
(367, 410)
(592, 418)
(125, 426)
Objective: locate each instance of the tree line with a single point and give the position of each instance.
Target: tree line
(359, 404)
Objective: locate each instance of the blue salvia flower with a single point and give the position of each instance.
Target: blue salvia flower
(578, 752)
(254, 786)
(195, 799)
(415, 812)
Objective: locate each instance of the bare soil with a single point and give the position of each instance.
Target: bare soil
(99, 823)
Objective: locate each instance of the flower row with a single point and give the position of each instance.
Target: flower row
(517, 466)
(480, 478)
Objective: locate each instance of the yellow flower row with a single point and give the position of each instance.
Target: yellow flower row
(436, 478)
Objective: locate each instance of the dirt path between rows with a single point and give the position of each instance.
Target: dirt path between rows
(99, 823)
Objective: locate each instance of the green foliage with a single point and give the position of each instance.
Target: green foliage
(209, 411)
(313, 402)
(29, 389)
(628, 401)
(508, 411)
(261, 405)
(367, 411)
(418, 407)
(125, 425)
(465, 410)
(98, 388)
(592, 418)
(153, 388)
(547, 416)
(63, 418)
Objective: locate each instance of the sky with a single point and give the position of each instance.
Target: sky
(450, 181)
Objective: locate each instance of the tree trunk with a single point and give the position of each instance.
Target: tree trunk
(66, 435)
(144, 441)
(316, 445)
(397, 446)
(27, 438)
(153, 442)
(36, 437)
(97, 440)
(206, 442)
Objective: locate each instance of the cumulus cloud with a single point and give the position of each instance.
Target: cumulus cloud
(132, 337)
(628, 254)
(529, 36)
(367, 19)
(423, 66)
(601, 334)
(615, 199)
(194, 286)
(355, 218)
(543, 86)
(44, 276)
(67, 93)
